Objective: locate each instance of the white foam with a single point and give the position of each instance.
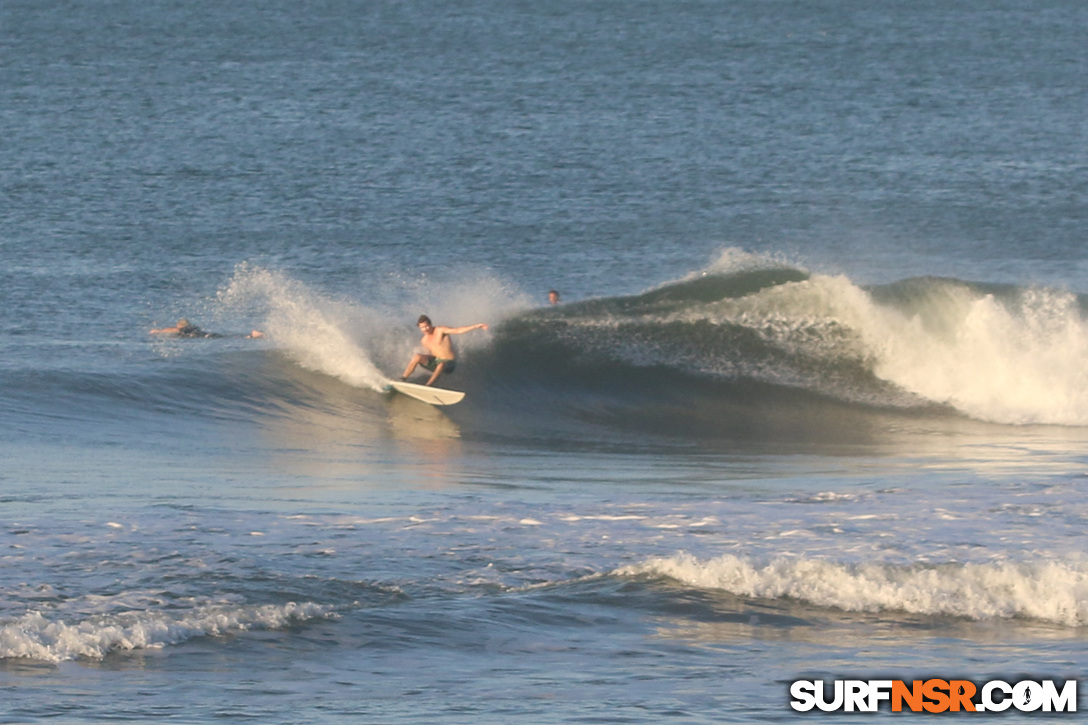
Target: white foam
(1009, 363)
(1017, 360)
(1047, 591)
(34, 636)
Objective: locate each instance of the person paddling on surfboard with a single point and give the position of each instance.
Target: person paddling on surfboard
(439, 357)
(184, 328)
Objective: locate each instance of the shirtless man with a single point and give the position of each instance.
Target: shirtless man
(439, 357)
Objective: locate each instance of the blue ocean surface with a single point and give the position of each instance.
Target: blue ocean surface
(813, 404)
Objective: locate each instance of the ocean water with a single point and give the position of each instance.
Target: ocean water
(814, 404)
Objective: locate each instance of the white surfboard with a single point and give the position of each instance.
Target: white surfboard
(427, 393)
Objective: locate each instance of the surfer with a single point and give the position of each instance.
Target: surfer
(553, 297)
(184, 328)
(439, 356)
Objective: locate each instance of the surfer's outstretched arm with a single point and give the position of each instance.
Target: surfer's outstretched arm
(461, 330)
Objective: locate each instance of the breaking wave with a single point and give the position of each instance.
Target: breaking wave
(34, 636)
(1001, 354)
(748, 348)
(1050, 592)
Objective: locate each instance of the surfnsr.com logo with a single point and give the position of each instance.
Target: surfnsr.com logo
(934, 695)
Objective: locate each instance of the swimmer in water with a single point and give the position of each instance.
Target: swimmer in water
(184, 328)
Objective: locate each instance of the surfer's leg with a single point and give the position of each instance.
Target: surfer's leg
(417, 359)
(437, 372)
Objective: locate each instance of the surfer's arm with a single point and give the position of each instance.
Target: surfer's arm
(462, 330)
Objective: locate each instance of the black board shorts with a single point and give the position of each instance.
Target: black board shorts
(432, 362)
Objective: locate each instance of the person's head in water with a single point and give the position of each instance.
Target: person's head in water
(553, 297)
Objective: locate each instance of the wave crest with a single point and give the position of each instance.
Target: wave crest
(1049, 592)
(33, 636)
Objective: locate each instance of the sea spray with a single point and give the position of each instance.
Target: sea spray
(328, 335)
(362, 343)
